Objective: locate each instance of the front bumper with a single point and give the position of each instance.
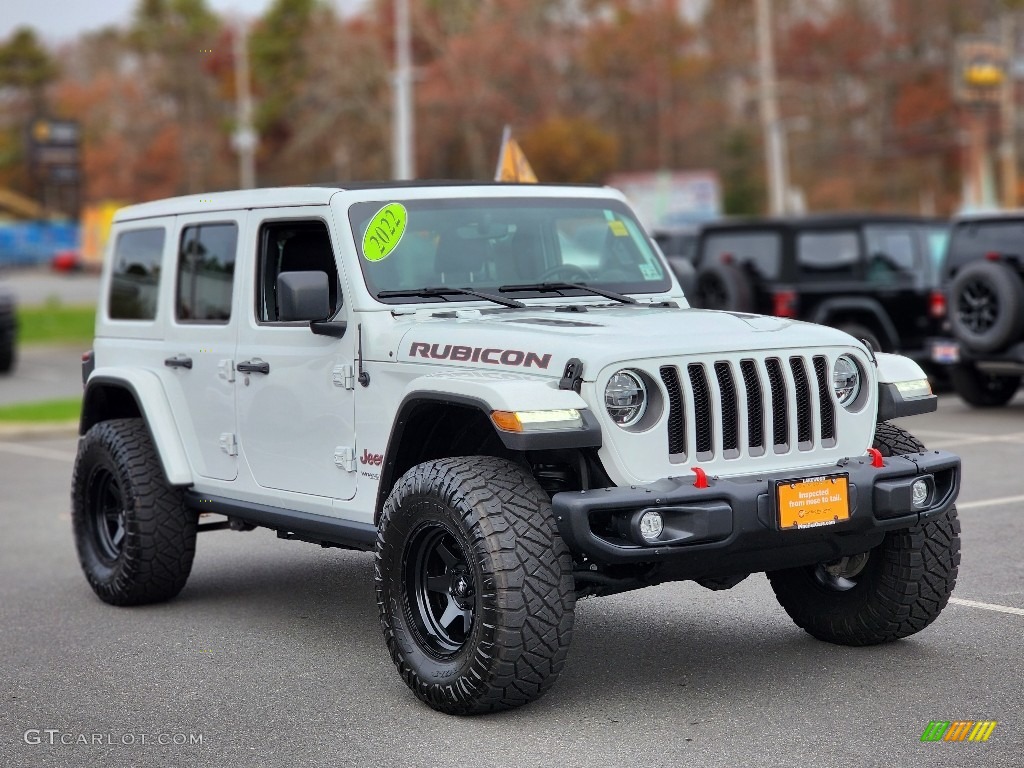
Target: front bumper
(731, 525)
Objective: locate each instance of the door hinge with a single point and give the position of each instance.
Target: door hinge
(226, 370)
(344, 376)
(345, 458)
(228, 443)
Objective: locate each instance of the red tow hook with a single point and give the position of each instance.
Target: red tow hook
(876, 457)
(702, 478)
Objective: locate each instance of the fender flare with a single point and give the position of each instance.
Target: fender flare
(831, 307)
(471, 391)
(151, 401)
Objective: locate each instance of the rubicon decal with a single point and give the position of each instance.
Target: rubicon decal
(492, 356)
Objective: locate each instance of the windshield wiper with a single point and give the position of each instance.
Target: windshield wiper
(559, 287)
(443, 291)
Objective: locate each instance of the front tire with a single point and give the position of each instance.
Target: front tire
(474, 585)
(135, 537)
(890, 592)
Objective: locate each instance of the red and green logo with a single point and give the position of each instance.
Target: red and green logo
(958, 730)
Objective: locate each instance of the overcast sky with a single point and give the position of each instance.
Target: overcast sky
(59, 20)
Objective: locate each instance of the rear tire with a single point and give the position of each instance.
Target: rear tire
(890, 592)
(724, 287)
(474, 585)
(980, 389)
(135, 537)
(986, 306)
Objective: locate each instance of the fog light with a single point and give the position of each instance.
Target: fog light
(651, 525)
(921, 490)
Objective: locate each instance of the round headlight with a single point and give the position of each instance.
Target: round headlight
(846, 380)
(625, 397)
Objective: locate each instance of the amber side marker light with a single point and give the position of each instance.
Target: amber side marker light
(537, 421)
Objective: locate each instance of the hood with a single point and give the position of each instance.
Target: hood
(541, 341)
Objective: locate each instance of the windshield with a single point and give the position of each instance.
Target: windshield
(486, 244)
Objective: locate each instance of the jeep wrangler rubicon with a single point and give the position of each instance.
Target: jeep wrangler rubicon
(502, 392)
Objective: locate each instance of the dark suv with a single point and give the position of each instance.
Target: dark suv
(8, 330)
(874, 276)
(983, 280)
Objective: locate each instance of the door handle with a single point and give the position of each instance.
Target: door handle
(178, 361)
(253, 366)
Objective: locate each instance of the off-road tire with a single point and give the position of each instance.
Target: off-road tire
(980, 389)
(153, 557)
(501, 519)
(860, 333)
(724, 287)
(903, 587)
(986, 306)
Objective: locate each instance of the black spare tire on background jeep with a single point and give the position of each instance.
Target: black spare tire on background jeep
(135, 537)
(986, 305)
(474, 585)
(890, 592)
(724, 286)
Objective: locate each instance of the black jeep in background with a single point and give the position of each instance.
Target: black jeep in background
(985, 292)
(8, 330)
(874, 276)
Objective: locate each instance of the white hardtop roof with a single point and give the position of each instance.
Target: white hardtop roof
(279, 197)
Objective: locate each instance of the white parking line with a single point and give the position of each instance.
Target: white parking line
(988, 606)
(990, 502)
(36, 452)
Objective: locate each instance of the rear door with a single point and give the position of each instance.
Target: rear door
(200, 340)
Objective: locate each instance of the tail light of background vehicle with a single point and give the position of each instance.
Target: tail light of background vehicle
(937, 304)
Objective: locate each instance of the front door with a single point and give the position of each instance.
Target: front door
(295, 403)
(196, 369)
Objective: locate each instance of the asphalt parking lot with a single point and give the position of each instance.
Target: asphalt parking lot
(272, 655)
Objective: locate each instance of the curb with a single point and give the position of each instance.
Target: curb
(20, 429)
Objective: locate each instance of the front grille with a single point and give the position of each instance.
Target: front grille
(676, 413)
(730, 402)
(703, 425)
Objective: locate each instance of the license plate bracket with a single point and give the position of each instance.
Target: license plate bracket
(812, 502)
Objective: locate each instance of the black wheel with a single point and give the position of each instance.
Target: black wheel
(861, 333)
(134, 536)
(980, 389)
(986, 305)
(725, 287)
(890, 592)
(474, 585)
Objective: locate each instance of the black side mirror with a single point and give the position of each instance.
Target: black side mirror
(303, 296)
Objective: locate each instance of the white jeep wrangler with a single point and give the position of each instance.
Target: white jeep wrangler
(501, 390)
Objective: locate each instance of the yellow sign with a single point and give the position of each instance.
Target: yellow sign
(813, 502)
(384, 232)
(512, 162)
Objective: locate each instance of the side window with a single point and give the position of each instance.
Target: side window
(293, 246)
(835, 254)
(892, 253)
(755, 251)
(206, 272)
(135, 277)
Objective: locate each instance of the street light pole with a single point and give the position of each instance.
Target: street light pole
(402, 116)
(244, 139)
(771, 126)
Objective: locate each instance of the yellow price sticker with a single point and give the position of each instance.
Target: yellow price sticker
(618, 228)
(384, 232)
